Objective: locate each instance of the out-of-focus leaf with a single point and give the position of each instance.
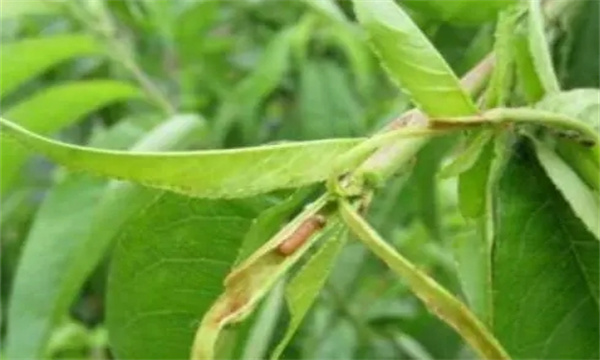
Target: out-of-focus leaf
(159, 290)
(327, 105)
(14, 9)
(329, 8)
(412, 61)
(21, 60)
(582, 64)
(460, 12)
(545, 274)
(251, 91)
(211, 173)
(64, 224)
(53, 109)
(583, 201)
(304, 288)
(540, 51)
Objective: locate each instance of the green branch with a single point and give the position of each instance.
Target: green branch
(437, 299)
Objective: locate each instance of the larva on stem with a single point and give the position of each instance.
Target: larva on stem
(301, 234)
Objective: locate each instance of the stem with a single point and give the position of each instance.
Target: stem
(437, 299)
(525, 116)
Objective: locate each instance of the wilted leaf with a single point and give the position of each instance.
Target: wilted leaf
(304, 288)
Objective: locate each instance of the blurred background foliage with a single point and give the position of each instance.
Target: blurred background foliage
(250, 72)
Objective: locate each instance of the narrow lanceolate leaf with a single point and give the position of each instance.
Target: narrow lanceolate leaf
(583, 201)
(21, 61)
(545, 269)
(158, 290)
(499, 88)
(65, 224)
(437, 299)
(540, 51)
(303, 289)
(53, 109)
(412, 60)
(210, 174)
(528, 79)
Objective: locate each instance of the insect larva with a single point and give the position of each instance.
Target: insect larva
(302, 233)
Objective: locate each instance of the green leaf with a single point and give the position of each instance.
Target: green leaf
(49, 111)
(540, 51)
(303, 289)
(498, 91)
(460, 12)
(21, 61)
(253, 89)
(13, 9)
(583, 201)
(64, 224)
(328, 108)
(211, 173)
(584, 105)
(412, 61)
(545, 269)
(528, 79)
(472, 184)
(158, 290)
(467, 158)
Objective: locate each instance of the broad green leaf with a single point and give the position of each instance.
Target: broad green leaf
(211, 173)
(303, 289)
(460, 12)
(53, 109)
(14, 8)
(583, 201)
(158, 290)
(412, 61)
(21, 61)
(64, 224)
(540, 51)
(545, 274)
